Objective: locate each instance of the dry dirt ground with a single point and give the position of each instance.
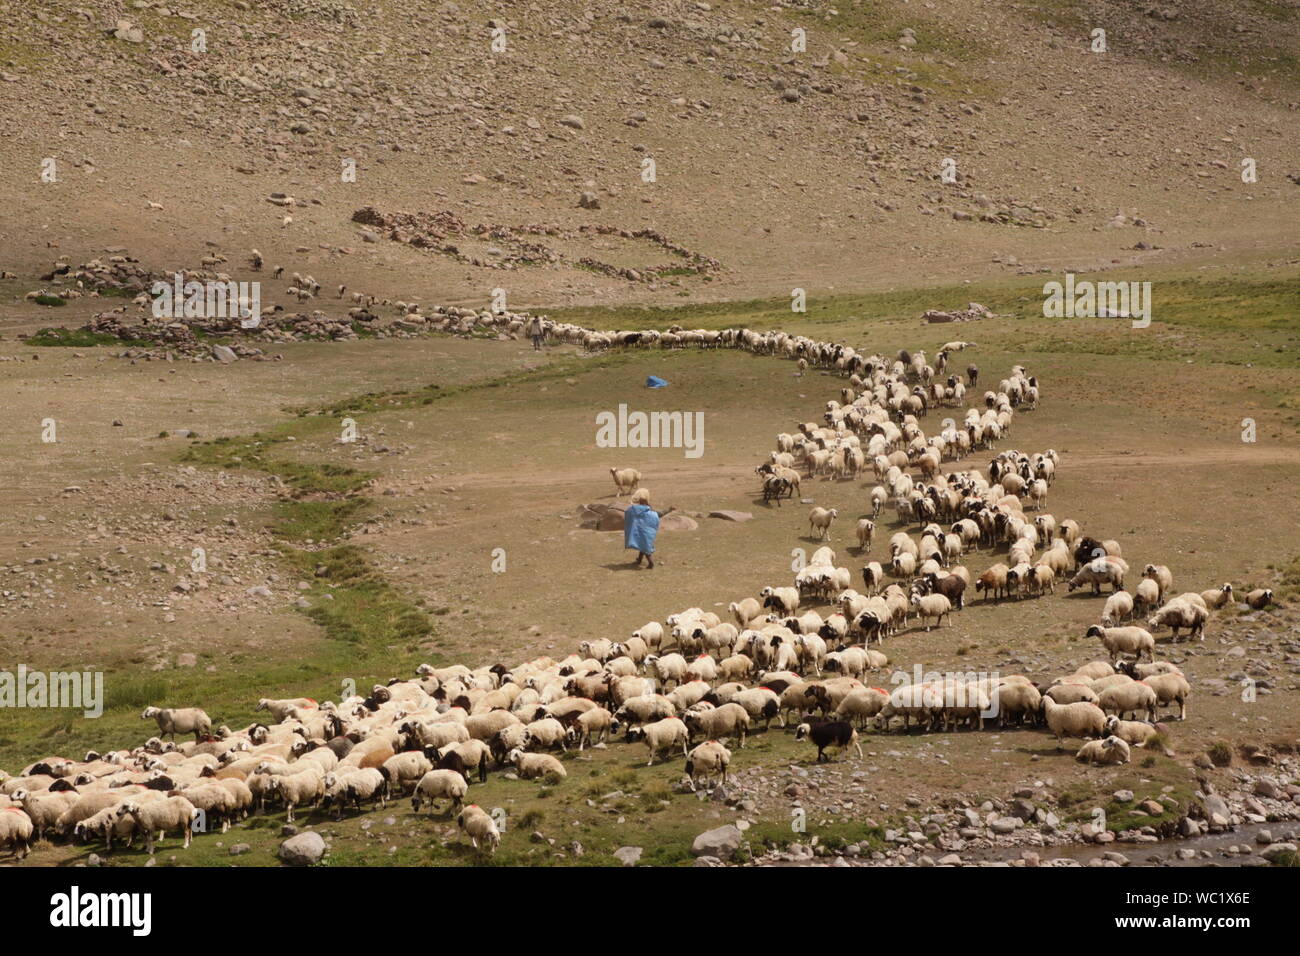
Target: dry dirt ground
(818, 170)
(106, 519)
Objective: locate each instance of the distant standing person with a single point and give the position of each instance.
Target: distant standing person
(536, 332)
(641, 526)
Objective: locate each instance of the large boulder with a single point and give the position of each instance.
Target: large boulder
(304, 849)
(720, 842)
(612, 518)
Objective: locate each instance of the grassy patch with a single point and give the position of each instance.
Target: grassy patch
(80, 338)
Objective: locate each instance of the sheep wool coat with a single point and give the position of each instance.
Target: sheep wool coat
(640, 526)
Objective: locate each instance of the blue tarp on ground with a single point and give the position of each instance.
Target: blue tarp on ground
(640, 525)
(654, 381)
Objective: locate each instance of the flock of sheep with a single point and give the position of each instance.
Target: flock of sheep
(689, 684)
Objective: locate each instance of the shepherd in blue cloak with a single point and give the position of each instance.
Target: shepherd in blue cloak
(641, 526)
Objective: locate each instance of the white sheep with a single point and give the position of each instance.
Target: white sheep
(1112, 750)
(707, 761)
(932, 606)
(1082, 719)
(728, 720)
(1217, 598)
(281, 709)
(480, 827)
(1170, 688)
(1125, 640)
(16, 831)
(182, 720)
(440, 785)
(405, 769)
(625, 480)
(529, 765)
(156, 817)
(298, 789)
(1129, 698)
(1136, 733)
(670, 668)
(819, 521)
(663, 735)
(546, 733)
(1119, 606)
(866, 530)
(1181, 613)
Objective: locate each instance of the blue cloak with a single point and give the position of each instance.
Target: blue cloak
(640, 525)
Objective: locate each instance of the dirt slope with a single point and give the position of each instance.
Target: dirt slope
(819, 169)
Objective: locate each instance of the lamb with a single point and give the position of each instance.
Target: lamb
(819, 522)
(1081, 719)
(1136, 733)
(1131, 698)
(833, 733)
(184, 720)
(1125, 640)
(479, 826)
(1259, 598)
(625, 480)
(663, 735)
(729, 720)
(159, 816)
(1118, 607)
(1179, 614)
(438, 785)
(529, 765)
(1170, 688)
(16, 831)
(706, 761)
(1112, 750)
(932, 606)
